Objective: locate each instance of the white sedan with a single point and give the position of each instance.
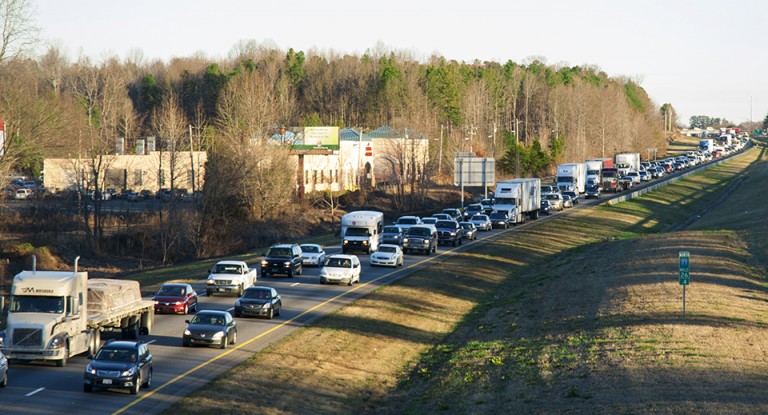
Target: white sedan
(312, 254)
(341, 269)
(388, 255)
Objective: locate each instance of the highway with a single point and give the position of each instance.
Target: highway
(41, 388)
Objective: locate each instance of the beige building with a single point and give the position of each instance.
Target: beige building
(152, 171)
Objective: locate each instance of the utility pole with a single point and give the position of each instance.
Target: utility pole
(191, 159)
(440, 153)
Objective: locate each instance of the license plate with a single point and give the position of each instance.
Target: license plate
(107, 381)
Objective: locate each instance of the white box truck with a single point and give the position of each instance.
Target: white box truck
(626, 162)
(571, 177)
(54, 315)
(518, 198)
(361, 231)
(706, 145)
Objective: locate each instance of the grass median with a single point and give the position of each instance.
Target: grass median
(581, 313)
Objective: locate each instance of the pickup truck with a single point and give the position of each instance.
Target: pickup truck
(449, 231)
(230, 277)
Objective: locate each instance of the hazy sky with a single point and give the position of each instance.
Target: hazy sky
(705, 57)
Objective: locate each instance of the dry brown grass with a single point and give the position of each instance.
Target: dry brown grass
(578, 315)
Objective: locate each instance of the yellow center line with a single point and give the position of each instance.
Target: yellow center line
(234, 349)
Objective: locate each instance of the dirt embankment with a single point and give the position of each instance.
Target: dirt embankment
(579, 315)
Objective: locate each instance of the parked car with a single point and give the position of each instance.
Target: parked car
(567, 202)
(481, 221)
(546, 207)
(3, 370)
(388, 255)
(405, 222)
(259, 301)
(499, 220)
(421, 238)
(470, 231)
(282, 259)
(210, 328)
(340, 268)
(574, 196)
(393, 234)
(449, 231)
(120, 365)
(312, 254)
(592, 191)
(555, 200)
(175, 298)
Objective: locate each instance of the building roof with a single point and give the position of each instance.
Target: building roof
(385, 132)
(349, 134)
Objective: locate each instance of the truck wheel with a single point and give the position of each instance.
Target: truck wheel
(63, 361)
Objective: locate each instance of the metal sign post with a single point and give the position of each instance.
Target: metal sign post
(685, 272)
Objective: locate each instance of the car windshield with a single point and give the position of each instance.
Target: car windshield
(466, 225)
(279, 253)
(445, 224)
(553, 196)
(116, 355)
(498, 215)
(357, 232)
(338, 262)
(172, 290)
(407, 221)
(36, 304)
(310, 249)
(391, 229)
(419, 232)
(388, 249)
(210, 319)
(429, 221)
(474, 208)
(258, 294)
(479, 217)
(227, 269)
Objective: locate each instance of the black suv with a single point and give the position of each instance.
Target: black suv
(420, 238)
(449, 231)
(283, 259)
(120, 364)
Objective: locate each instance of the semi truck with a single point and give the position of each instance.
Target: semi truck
(595, 169)
(706, 144)
(571, 177)
(361, 231)
(626, 162)
(518, 198)
(54, 315)
(610, 180)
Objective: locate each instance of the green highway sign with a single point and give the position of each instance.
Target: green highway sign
(685, 267)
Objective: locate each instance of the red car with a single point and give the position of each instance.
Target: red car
(175, 298)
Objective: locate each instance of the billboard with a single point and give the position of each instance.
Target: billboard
(307, 138)
(474, 171)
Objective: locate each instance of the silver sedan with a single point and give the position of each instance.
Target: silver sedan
(481, 221)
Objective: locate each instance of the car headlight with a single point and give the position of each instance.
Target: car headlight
(346, 242)
(90, 369)
(405, 240)
(218, 335)
(453, 233)
(365, 242)
(129, 372)
(2, 338)
(267, 305)
(210, 281)
(187, 332)
(287, 264)
(179, 302)
(57, 342)
(264, 262)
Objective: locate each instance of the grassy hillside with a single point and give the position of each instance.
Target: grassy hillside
(582, 314)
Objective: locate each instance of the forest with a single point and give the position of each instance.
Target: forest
(527, 115)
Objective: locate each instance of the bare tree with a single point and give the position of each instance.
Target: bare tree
(19, 33)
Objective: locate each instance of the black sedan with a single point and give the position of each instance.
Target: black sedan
(259, 302)
(210, 328)
(120, 365)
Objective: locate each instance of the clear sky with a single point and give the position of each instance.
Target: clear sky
(705, 57)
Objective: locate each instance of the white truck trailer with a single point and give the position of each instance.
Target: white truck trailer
(361, 231)
(626, 162)
(518, 198)
(54, 315)
(571, 177)
(230, 276)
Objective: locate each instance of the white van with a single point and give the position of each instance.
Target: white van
(361, 231)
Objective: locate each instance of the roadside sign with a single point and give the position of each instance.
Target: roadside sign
(685, 268)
